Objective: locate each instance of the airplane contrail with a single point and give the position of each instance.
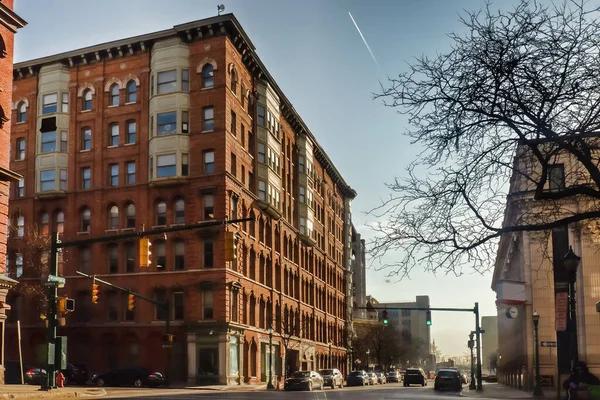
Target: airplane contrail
(364, 40)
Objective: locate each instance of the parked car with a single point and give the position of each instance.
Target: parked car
(372, 378)
(381, 378)
(332, 377)
(132, 376)
(357, 378)
(448, 379)
(393, 376)
(415, 376)
(35, 376)
(304, 380)
(76, 374)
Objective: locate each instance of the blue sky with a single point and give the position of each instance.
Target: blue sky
(315, 53)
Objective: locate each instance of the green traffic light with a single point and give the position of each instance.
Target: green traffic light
(429, 323)
(385, 321)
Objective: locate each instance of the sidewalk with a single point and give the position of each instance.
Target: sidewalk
(228, 388)
(499, 391)
(34, 392)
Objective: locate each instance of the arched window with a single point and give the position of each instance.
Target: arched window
(113, 218)
(180, 211)
(208, 79)
(234, 81)
(130, 213)
(59, 218)
(22, 112)
(131, 92)
(86, 219)
(44, 223)
(87, 100)
(114, 95)
(161, 213)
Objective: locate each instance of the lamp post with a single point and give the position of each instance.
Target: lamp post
(330, 344)
(571, 262)
(537, 389)
(368, 351)
(471, 344)
(270, 383)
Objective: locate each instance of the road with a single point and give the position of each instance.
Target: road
(379, 392)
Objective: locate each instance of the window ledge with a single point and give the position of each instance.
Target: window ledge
(111, 230)
(51, 194)
(113, 106)
(180, 224)
(86, 111)
(112, 147)
(159, 226)
(130, 102)
(129, 144)
(20, 123)
(128, 230)
(208, 88)
(212, 130)
(85, 150)
(167, 181)
(83, 233)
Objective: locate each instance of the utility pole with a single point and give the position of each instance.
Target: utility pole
(478, 332)
(51, 315)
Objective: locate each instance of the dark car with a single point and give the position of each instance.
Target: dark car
(332, 377)
(35, 376)
(304, 380)
(448, 379)
(357, 378)
(393, 376)
(76, 374)
(133, 376)
(415, 376)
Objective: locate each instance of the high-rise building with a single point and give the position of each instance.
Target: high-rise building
(359, 276)
(9, 23)
(178, 127)
(489, 344)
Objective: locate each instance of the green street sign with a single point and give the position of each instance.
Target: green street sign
(54, 280)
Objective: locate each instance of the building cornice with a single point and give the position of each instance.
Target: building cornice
(10, 19)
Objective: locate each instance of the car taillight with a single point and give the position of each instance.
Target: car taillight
(30, 372)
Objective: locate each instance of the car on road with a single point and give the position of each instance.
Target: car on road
(415, 376)
(304, 380)
(131, 376)
(381, 379)
(332, 377)
(35, 376)
(393, 376)
(448, 379)
(357, 378)
(372, 378)
(76, 374)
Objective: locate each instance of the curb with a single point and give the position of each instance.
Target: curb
(54, 394)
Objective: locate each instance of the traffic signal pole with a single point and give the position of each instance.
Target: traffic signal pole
(51, 316)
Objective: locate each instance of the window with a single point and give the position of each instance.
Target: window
(243, 97)
(234, 304)
(302, 196)
(86, 139)
(48, 142)
(21, 188)
(113, 218)
(113, 258)
(64, 141)
(166, 165)
(131, 92)
(260, 111)
(234, 81)
(130, 215)
(184, 164)
(161, 251)
(301, 164)
(45, 224)
(208, 201)
(209, 162)
(63, 179)
(20, 226)
(47, 180)
(261, 153)
(64, 105)
(262, 190)
(84, 258)
(208, 76)
(59, 217)
(129, 257)
(207, 304)
(86, 177)
(178, 306)
(22, 112)
(49, 103)
(114, 95)
(243, 135)
(234, 206)
(233, 165)
(179, 211)
(185, 122)
(208, 254)
(179, 255)
(87, 100)
(130, 172)
(114, 174)
(233, 124)
(160, 296)
(167, 82)
(20, 149)
(166, 123)
(86, 218)
(209, 121)
(131, 131)
(185, 80)
(113, 306)
(114, 135)
(556, 177)
(161, 213)
(19, 264)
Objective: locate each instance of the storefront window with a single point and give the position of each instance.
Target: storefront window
(208, 361)
(234, 350)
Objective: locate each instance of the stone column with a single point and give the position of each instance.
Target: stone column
(192, 352)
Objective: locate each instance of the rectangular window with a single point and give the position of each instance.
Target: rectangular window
(160, 295)
(63, 179)
(185, 80)
(233, 164)
(262, 190)
(20, 149)
(86, 178)
(47, 180)
(209, 206)
(64, 141)
(178, 306)
(130, 172)
(167, 82)
(49, 103)
(301, 196)
(179, 256)
(250, 143)
(129, 257)
(64, 105)
(208, 254)
(243, 135)
(114, 174)
(166, 123)
(21, 188)
(185, 122)
(301, 164)
(209, 119)
(113, 306)
(556, 177)
(166, 165)
(48, 142)
(207, 304)
(261, 153)
(84, 258)
(234, 304)
(131, 132)
(86, 139)
(113, 258)
(260, 112)
(234, 206)
(161, 255)
(114, 135)
(184, 164)
(233, 124)
(209, 162)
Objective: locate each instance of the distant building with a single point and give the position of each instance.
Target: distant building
(372, 315)
(489, 342)
(359, 276)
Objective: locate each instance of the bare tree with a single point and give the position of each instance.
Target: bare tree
(383, 342)
(514, 105)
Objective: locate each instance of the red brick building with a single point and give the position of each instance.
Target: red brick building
(9, 23)
(177, 127)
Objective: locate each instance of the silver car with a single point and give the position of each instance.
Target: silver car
(372, 378)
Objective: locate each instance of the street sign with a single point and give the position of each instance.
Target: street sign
(548, 344)
(53, 280)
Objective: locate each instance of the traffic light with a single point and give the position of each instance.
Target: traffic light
(145, 253)
(94, 293)
(131, 302)
(428, 318)
(230, 246)
(385, 317)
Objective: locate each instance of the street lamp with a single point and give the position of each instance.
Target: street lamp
(571, 262)
(270, 384)
(537, 389)
(330, 344)
(471, 344)
(368, 352)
